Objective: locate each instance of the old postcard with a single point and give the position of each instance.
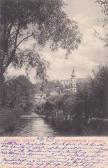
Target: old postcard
(54, 83)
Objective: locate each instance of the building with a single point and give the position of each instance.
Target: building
(70, 84)
(56, 87)
(73, 82)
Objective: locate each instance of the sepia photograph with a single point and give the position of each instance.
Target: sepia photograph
(53, 68)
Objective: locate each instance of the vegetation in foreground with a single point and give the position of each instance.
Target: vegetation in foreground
(83, 113)
(17, 95)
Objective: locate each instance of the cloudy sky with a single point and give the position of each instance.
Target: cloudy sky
(91, 52)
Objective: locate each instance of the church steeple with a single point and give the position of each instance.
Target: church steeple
(73, 81)
(73, 74)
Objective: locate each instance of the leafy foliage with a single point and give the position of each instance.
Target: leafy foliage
(104, 5)
(87, 109)
(18, 95)
(93, 95)
(42, 20)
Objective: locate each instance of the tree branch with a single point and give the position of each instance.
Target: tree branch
(13, 51)
(23, 40)
(3, 46)
(15, 47)
(9, 29)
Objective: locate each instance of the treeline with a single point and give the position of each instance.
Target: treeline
(17, 95)
(94, 95)
(85, 112)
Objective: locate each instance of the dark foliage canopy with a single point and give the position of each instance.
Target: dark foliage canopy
(104, 6)
(42, 20)
(18, 94)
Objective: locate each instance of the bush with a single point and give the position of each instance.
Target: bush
(18, 94)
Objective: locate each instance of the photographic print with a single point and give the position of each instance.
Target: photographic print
(53, 68)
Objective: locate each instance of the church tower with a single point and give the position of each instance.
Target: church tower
(73, 81)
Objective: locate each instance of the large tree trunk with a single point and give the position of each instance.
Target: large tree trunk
(1, 89)
(106, 103)
(1, 59)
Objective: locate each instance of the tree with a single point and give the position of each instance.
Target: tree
(104, 5)
(100, 91)
(19, 95)
(42, 20)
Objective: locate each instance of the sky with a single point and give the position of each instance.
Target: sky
(91, 52)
